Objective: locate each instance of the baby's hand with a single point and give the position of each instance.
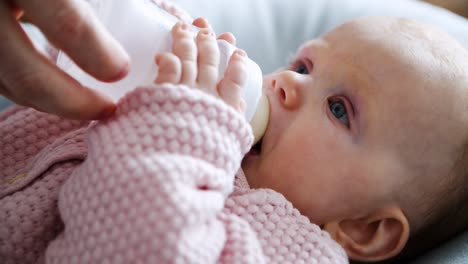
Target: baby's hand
(194, 62)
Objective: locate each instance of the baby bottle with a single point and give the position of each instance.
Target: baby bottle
(143, 29)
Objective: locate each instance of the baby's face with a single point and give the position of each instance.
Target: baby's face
(360, 114)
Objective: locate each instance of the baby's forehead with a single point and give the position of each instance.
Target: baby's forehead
(384, 25)
(397, 41)
(404, 57)
(422, 68)
(383, 31)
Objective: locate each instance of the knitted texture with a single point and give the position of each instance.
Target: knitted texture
(31, 146)
(285, 235)
(154, 182)
(157, 186)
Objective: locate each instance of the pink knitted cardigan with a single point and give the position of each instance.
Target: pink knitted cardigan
(152, 184)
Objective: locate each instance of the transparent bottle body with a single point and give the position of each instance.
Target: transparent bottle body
(143, 29)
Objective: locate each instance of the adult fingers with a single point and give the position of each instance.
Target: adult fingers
(72, 26)
(31, 79)
(208, 60)
(235, 78)
(6, 93)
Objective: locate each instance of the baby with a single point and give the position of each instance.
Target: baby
(368, 134)
(367, 139)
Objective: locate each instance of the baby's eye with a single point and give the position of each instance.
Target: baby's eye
(338, 109)
(301, 68)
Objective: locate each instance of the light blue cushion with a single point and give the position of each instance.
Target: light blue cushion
(4, 103)
(272, 30)
(454, 251)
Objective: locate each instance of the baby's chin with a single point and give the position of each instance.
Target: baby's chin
(251, 159)
(248, 167)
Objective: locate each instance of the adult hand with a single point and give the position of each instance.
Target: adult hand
(29, 78)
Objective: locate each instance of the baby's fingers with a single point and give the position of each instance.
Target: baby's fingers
(229, 37)
(169, 68)
(185, 48)
(208, 60)
(235, 78)
(203, 23)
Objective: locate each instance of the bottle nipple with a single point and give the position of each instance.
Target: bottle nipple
(259, 121)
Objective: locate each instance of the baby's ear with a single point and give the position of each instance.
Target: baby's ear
(378, 236)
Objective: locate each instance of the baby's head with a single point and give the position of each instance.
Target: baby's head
(368, 136)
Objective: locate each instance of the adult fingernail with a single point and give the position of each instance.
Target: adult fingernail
(122, 73)
(107, 112)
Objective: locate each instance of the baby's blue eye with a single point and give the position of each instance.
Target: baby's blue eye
(301, 69)
(338, 109)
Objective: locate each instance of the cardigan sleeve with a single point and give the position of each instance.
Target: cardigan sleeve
(153, 186)
(27, 135)
(38, 152)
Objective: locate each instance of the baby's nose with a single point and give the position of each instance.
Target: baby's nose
(286, 88)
